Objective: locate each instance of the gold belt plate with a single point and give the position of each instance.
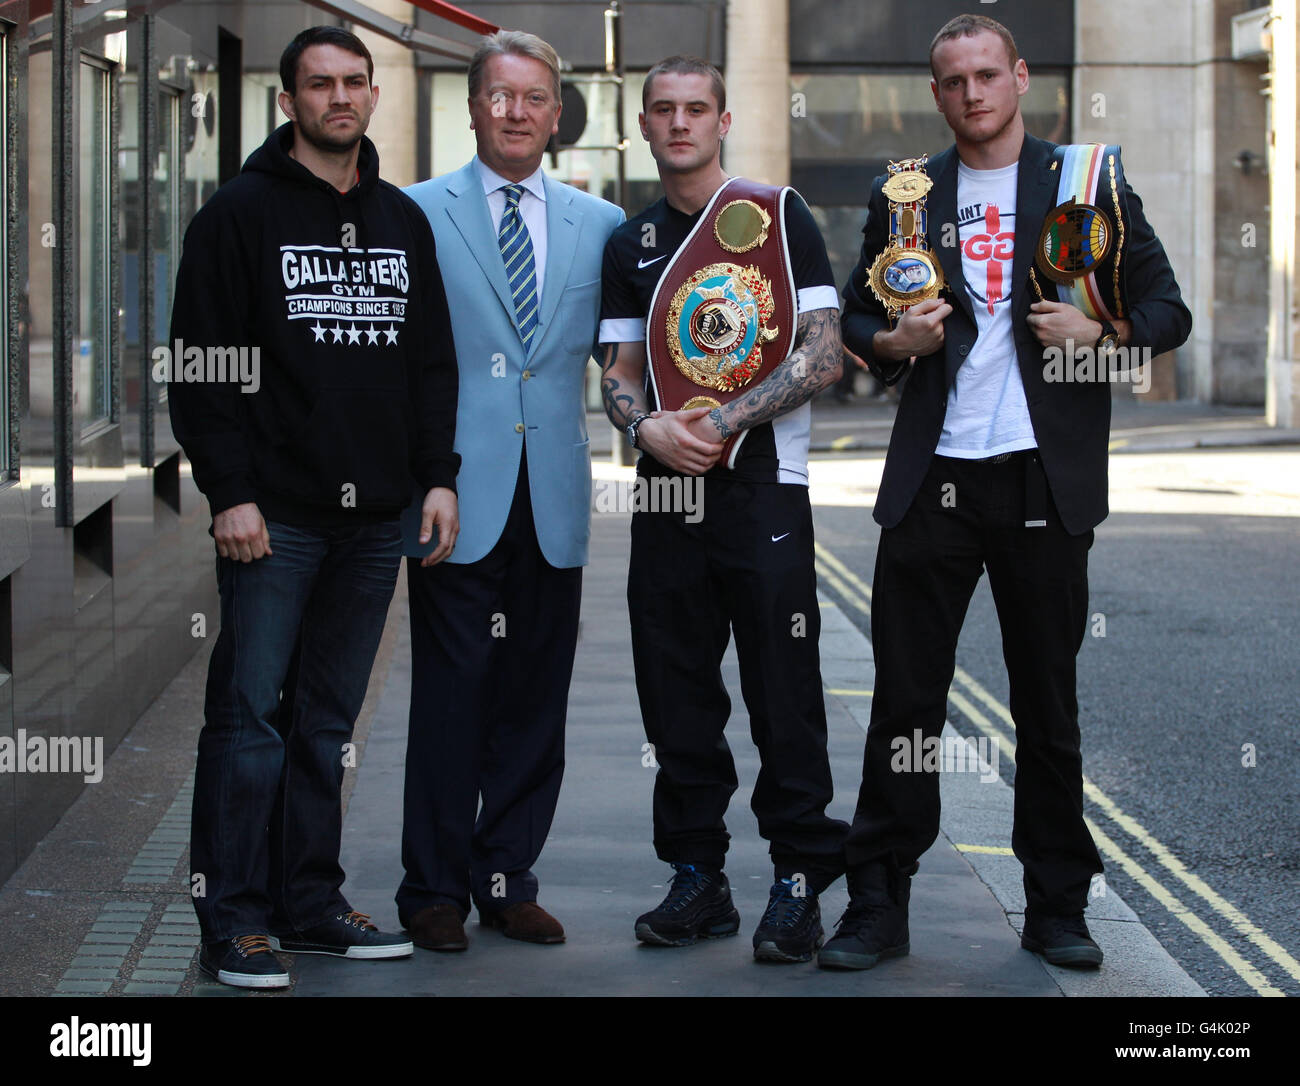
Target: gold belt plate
(717, 324)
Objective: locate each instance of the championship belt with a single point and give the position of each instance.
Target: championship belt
(1081, 247)
(906, 273)
(723, 314)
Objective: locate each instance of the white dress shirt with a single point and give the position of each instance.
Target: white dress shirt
(532, 205)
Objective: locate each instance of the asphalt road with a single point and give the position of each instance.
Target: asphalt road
(1202, 617)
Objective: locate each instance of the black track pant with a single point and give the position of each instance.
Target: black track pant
(745, 566)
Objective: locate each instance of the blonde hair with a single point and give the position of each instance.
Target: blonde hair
(520, 44)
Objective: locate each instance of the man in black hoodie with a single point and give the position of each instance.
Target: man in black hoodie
(312, 374)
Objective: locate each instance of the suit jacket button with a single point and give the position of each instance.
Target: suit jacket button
(963, 350)
(527, 374)
(519, 427)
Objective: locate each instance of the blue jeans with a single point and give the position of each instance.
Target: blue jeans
(304, 622)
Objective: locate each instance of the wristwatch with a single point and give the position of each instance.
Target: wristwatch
(634, 426)
(1108, 342)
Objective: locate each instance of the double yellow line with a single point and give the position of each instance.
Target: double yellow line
(993, 718)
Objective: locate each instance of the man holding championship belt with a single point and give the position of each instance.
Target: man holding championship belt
(719, 322)
(997, 461)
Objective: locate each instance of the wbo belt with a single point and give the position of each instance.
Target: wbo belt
(725, 310)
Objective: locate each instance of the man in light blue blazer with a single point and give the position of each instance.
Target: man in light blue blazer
(494, 627)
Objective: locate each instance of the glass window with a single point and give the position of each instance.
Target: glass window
(91, 402)
(453, 142)
(129, 137)
(36, 307)
(200, 140)
(260, 115)
(5, 285)
(849, 32)
(846, 127)
(591, 165)
(167, 224)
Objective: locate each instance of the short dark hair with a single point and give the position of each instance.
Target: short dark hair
(967, 26)
(686, 65)
(320, 35)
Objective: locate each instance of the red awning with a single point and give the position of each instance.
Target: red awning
(456, 15)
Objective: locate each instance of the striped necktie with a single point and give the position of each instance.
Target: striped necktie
(517, 252)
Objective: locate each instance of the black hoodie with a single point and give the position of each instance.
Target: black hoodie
(337, 301)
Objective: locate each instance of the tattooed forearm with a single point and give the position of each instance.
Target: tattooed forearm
(618, 406)
(814, 364)
(715, 416)
(623, 399)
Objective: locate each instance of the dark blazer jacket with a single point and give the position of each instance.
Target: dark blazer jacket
(1071, 420)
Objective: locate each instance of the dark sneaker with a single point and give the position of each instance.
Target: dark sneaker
(245, 961)
(1062, 940)
(698, 906)
(791, 928)
(874, 926)
(347, 935)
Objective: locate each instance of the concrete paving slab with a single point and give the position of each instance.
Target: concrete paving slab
(599, 872)
(1135, 965)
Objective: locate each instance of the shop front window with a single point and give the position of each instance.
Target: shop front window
(91, 396)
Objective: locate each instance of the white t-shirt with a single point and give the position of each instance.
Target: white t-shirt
(987, 414)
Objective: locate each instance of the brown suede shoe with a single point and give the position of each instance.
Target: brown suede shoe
(438, 928)
(524, 920)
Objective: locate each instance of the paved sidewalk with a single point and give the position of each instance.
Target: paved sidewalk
(599, 872)
(102, 907)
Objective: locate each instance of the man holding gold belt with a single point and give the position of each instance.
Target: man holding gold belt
(997, 461)
(719, 322)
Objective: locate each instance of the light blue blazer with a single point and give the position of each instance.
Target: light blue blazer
(509, 401)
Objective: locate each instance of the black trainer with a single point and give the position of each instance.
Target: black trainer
(874, 926)
(1062, 940)
(346, 935)
(791, 928)
(698, 906)
(245, 961)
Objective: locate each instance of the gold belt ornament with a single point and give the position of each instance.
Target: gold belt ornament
(722, 314)
(906, 273)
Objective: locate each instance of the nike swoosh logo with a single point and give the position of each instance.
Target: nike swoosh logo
(647, 263)
(778, 538)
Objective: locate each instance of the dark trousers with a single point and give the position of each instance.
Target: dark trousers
(492, 646)
(306, 621)
(969, 516)
(745, 566)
